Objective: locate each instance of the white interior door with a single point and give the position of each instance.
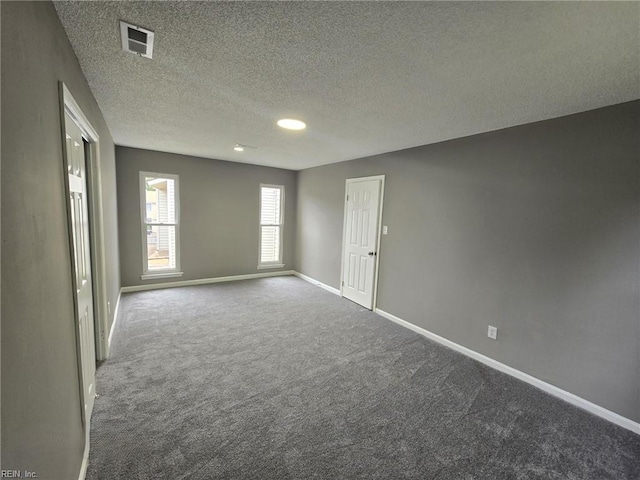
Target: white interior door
(360, 249)
(78, 208)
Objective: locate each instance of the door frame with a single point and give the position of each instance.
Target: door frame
(96, 218)
(378, 235)
(68, 105)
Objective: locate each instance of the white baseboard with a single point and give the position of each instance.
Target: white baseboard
(113, 325)
(536, 382)
(317, 283)
(85, 459)
(204, 281)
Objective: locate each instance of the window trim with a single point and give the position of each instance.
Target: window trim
(158, 272)
(280, 263)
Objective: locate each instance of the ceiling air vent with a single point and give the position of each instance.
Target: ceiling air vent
(136, 39)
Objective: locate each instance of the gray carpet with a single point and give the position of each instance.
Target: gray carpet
(278, 379)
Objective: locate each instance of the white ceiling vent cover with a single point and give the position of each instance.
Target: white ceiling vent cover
(136, 39)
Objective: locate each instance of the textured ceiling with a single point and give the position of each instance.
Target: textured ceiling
(367, 77)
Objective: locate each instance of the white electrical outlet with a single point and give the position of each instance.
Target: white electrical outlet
(493, 332)
(385, 229)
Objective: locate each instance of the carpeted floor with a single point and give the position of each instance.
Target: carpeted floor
(278, 379)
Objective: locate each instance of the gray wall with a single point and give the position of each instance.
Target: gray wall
(41, 424)
(534, 229)
(219, 203)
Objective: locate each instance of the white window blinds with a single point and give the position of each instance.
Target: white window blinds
(271, 221)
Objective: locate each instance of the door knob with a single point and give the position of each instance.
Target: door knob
(371, 254)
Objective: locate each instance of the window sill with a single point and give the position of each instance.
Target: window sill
(274, 265)
(152, 276)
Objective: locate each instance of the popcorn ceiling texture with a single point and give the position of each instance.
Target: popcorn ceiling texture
(367, 77)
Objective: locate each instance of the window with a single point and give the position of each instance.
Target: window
(159, 206)
(271, 223)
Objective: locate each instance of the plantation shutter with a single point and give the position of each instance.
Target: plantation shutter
(270, 224)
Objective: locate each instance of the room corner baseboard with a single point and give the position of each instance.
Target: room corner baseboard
(204, 281)
(317, 283)
(525, 377)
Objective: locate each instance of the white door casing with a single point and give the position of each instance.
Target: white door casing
(101, 305)
(81, 259)
(363, 208)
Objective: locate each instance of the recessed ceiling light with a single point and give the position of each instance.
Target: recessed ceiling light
(291, 124)
(239, 147)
